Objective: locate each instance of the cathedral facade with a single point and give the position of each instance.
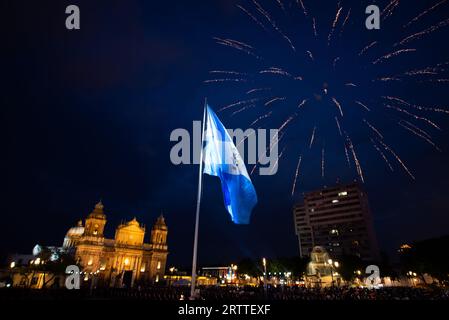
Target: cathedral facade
(122, 261)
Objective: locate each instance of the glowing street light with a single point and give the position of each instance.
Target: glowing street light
(333, 264)
(264, 262)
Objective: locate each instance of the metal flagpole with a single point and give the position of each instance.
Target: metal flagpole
(198, 204)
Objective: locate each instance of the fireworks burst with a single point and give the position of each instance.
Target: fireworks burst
(356, 102)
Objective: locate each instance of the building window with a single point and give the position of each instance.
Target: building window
(158, 265)
(343, 193)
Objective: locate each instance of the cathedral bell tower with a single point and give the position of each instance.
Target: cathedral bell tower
(159, 233)
(95, 222)
(159, 253)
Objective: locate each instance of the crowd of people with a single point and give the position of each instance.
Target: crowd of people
(161, 293)
(329, 293)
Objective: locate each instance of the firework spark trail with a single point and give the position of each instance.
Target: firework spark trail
(347, 156)
(338, 125)
(281, 5)
(261, 117)
(238, 103)
(423, 13)
(322, 162)
(310, 55)
(253, 169)
(273, 143)
(243, 109)
(286, 122)
(362, 105)
(356, 160)
(420, 72)
(338, 105)
(387, 79)
(436, 80)
(277, 160)
(274, 140)
(382, 154)
(420, 135)
(421, 108)
(314, 27)
(238, 45)
(252, 17)
(392, 54)
(373, 128)
(312, 138)
(274, 100)
(433, 124)
(296, 175)
(257, 90)
(397, 158)
(416, 128)
(334, 64)
(350, 84)
(334, 24)
(228, 72)
(301, 4)
(277, 71)
(427, 71)
(427, 31)
(303, 102)
(389, 9)
(372, 44)
(226, 80)
(245, 138)
(273, 24)
(344, 22)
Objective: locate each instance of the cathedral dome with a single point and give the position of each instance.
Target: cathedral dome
(76, 231)
(73, 235)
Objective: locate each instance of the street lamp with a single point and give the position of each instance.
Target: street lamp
(264, 262)
(333, 264)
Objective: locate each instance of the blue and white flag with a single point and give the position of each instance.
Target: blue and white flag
(222, 159)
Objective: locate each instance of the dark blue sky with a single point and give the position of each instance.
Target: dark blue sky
(87, 115)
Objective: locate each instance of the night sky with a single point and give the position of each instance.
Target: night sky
(87, 115)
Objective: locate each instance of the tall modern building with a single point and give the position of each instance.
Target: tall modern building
(336, 218)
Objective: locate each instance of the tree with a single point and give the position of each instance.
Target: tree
(349, 264)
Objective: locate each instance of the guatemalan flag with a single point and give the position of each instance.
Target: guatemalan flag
(222, 159)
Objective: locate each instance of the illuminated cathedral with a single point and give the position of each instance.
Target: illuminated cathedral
(122, 261)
